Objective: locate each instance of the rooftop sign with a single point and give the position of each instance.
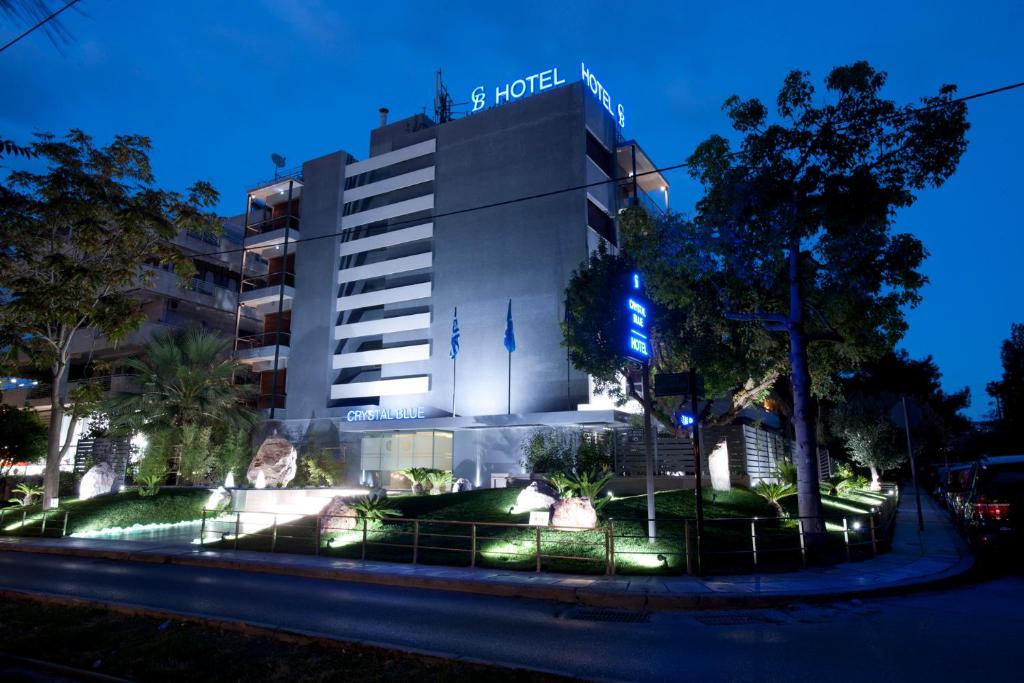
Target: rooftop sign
(545, 80)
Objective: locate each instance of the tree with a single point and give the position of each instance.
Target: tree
(796, 224)
(76, 237)
(22, 438)
(1008, 391)
(864, 426)
(185, 377)
(895, 375)
(186, 399)
(690, 330)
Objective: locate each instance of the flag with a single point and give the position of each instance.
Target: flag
(455, 334)
(510, 335)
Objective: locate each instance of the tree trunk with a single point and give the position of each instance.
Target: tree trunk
(806, 456)
(876, 478)
(51, 474)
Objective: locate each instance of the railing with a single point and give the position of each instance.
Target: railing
(285, 174)
(204, 287)
(268, 280)
(255, 341)
(270, 224)
(726, 544)
(47, 523)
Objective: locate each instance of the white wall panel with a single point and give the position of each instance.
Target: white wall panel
(383, 387)
(390, 158)
(401, 354)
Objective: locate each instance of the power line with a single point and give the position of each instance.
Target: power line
(37, 25)
(576, 188)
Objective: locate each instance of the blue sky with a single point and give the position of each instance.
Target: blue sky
(221, 85)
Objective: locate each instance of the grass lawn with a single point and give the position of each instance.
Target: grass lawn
(154, 649)
(727, 541)
(116, 510)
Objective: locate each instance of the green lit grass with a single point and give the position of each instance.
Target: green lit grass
(119, 510)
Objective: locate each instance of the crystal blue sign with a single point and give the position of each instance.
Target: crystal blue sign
(638, 345)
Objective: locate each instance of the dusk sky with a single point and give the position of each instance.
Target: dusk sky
(218, 86)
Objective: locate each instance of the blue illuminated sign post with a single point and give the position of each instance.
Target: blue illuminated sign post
(638, 342)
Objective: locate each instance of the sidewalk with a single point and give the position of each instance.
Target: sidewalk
(916, 560)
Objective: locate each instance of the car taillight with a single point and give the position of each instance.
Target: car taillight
(993, 511)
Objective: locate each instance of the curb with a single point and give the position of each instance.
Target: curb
(587, 596)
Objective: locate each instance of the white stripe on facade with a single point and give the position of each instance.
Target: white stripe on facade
(383, 387)
(424, 175)
(384, 296)
(401, 354)
(424, 203)
(390, 158)
(388, 239)
(382, 268)
(402, 323)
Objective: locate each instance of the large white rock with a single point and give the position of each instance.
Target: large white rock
(538, 495)
(277, 459)
(460, 485)
(97, 481)
(576, 513)
(337, 515)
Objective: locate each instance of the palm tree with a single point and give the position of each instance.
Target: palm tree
(773, 493)
(183, 378)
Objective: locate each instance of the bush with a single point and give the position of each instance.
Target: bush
(566, 451)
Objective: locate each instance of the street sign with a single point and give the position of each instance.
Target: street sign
(676, 384)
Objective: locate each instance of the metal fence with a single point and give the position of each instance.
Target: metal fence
(724, 544)
(22, 522)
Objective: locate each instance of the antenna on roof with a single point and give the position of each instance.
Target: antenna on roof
(442, 100)
(278, 163)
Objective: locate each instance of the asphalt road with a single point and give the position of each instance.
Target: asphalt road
(968, 633)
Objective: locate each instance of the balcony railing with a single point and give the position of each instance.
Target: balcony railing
(271, 224)
(642, 199)
(255, 341)
(269, 280)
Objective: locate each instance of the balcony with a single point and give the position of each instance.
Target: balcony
(261, 290)
(269, 234)
(258, 350)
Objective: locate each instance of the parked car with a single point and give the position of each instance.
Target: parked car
(994, 502)
(955, 487)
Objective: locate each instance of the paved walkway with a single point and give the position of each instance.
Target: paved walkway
(936, 555)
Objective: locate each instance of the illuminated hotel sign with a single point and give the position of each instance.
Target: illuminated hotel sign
(638, 343)
(545, 80)
(376, 414)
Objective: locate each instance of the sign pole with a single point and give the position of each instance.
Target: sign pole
(649, 453)
(699, 500)
(913, 465)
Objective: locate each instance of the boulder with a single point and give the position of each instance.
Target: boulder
(97, 481)
(337, 515)
(219, 497)
(576, 513)
(538, 495)
(460, 485)
(277, 459)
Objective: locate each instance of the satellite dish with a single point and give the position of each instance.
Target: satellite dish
(278, 160)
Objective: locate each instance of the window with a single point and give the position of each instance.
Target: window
(600, 222)
(597, 153)
(393, 451)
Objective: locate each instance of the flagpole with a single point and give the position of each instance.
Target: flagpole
(509, 382)
(455, 362)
